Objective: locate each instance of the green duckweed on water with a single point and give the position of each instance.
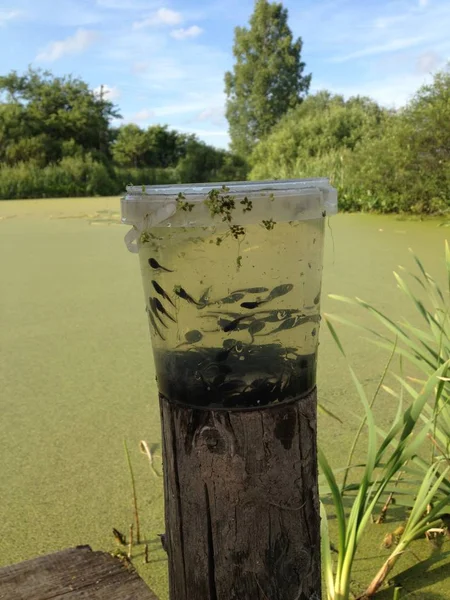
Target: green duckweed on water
(77, 375)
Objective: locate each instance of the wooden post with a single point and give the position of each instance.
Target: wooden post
(242, 506)
(73, 574)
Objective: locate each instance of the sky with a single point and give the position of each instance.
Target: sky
(164, 61)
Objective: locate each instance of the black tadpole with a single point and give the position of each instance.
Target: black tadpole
(194, 336)
(232, 325)
(252, 305)
(155, 265)
(155, 326)
(280, 290)
(182, 293)
(159, 307)
(162, 292)
(235, 297)
(204, 298)
(255, 328)
(255, 290)
(154, 309)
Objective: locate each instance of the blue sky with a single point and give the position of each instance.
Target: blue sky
(164, 61)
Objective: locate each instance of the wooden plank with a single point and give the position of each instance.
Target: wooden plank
(242, 502)
(73, 574)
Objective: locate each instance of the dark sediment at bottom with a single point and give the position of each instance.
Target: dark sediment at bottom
(234, 377)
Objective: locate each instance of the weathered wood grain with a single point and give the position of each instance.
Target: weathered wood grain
(242, 506)
(73, 574)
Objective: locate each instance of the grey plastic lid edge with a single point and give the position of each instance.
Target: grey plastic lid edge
(142, 194)
(200, 189)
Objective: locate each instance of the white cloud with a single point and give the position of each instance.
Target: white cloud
(160, 69)
(427, 62)
(61, 13)
(9, 15)
(213, 114)
(142, 115)
(167, 110)
(180, 108)
(109, 92)
(74, 44)
(423, 3)
(136, 48)
(390, 46)
(188, 32)
(392, 92)
(163, 16)
(385, 22)
(140, 67)
(169, 84)
(370, 30)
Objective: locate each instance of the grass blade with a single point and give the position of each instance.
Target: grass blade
(447, 263)
(405, 288)
(325, 546)
(133, 490)
(363, 421)
(336, 495)
(321, 408)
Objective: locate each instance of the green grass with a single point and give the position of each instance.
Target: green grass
(76, 375)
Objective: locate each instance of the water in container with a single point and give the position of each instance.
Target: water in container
(232, 279)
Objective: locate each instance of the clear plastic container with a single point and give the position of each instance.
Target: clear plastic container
(232, 279)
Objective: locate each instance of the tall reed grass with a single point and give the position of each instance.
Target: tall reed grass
(412, 458)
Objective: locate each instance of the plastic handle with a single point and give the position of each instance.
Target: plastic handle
(131, 239)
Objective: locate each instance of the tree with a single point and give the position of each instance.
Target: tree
(429, 116)
(155, 147)
(206, 163)
(311, 139)
(52, 111)
(267, 78)
(130, 146)
(166, 147)
(408, 168)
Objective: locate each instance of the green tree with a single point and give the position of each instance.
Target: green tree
(130, 146)
(407, 168)
(40, 112)
(165, 147)
(315, 137)
(155, 147)
(206, 163)
(267, 78)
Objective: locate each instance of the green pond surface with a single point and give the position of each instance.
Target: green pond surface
(76, 376)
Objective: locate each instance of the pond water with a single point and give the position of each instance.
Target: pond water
(77, 373)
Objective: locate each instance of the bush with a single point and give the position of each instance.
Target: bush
(312, 139)
(72, 177)
(379, 160)
(145, 175)
(77, 176)
(205, 163)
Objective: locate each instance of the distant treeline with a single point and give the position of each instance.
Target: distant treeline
(56, 139)
(75, 176)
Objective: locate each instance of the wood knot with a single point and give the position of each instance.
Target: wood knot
(285, 428)
(211, 438)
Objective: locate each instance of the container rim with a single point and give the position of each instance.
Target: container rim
(235, 187)
(151, 205)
